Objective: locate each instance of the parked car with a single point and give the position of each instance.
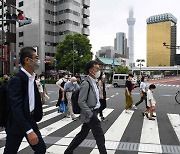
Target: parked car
(119, 80)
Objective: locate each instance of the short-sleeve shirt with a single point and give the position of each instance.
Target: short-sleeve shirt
(128, 85)
(143, 86)
(150, 97)
(61, 82)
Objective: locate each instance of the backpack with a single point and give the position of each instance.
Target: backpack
(4, 107)
(74, 100)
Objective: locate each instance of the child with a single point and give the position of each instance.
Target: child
(150, 102)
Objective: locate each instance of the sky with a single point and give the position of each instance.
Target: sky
(107, 17)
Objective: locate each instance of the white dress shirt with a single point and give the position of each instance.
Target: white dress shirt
(94, 82)
(31, 79)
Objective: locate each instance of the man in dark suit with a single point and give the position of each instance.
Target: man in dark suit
(89, 103)
(25, 106)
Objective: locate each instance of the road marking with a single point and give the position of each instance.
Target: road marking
(62, 144)
(48, 130)
(116, 131)
(117, 93)
(177, 86)
(112, 96)
(49, 108)
(49, 116)
(175, 122)
(45, 105)
(107, 98)
(166, 95)
(150, 135)
(53, 101)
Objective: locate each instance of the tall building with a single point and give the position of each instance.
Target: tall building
(52, 21)
(8, 38)
(106, 52)
(131, 21)
(120, 44)
(161, 28)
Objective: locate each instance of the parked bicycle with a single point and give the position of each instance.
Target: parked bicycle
(177, 97)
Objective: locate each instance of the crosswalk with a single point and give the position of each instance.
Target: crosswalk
(54, 124)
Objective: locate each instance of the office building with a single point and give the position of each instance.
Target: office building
(120, 44)
(52, 21)
(161, 28)
(106, 52)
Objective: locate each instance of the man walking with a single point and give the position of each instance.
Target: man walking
(25, 106)
(89, 104)
(69, 87)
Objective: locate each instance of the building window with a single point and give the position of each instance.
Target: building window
(21, 44)
(21, 34)
(21, 4)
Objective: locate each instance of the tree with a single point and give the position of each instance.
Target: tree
(82, 53)
(121, 69)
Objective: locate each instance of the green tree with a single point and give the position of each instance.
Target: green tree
(82, 53)
(121, 69)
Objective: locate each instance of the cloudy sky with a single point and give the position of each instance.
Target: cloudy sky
(110, 16)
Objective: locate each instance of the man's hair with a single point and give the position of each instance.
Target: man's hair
(90, 65)
(26, 52)
(130, 75)
(152, 86)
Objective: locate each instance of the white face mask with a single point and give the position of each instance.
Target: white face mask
(75, 82)
(97, 75)
(42, 78)
(36, 64)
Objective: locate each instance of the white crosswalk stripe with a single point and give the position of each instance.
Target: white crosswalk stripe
(175, 121)
(150, 140)
(64, 142)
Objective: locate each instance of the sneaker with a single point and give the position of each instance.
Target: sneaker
(153, 115)
(74, 118)
(127, 111)
(67, 116)
(146, 114)
(134, 107)
(143, 113)
(103, 119)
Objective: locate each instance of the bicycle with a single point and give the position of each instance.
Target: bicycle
(177, 97)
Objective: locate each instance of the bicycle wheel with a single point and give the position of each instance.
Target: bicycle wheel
(177, 97)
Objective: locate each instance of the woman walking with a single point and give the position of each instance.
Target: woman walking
(102, 94)
(128, 95)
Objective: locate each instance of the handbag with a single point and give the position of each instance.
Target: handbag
(62, 107)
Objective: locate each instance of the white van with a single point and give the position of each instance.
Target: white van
(119, 80)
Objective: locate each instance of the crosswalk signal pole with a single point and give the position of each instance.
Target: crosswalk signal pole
(2, 49)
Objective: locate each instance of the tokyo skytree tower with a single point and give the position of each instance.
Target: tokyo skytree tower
(131, 21)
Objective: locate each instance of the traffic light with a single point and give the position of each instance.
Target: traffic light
(24, 21)
(20, 18)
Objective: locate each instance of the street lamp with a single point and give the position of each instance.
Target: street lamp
(140, 64)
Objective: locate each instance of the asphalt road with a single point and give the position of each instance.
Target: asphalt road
(125, 133)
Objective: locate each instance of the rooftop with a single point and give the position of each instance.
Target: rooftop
(108, 61)
(161, 18)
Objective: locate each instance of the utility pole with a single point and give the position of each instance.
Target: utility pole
(73, 56)
(2, 38)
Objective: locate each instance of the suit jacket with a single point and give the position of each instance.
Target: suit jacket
(20, 120)
(86, 101)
